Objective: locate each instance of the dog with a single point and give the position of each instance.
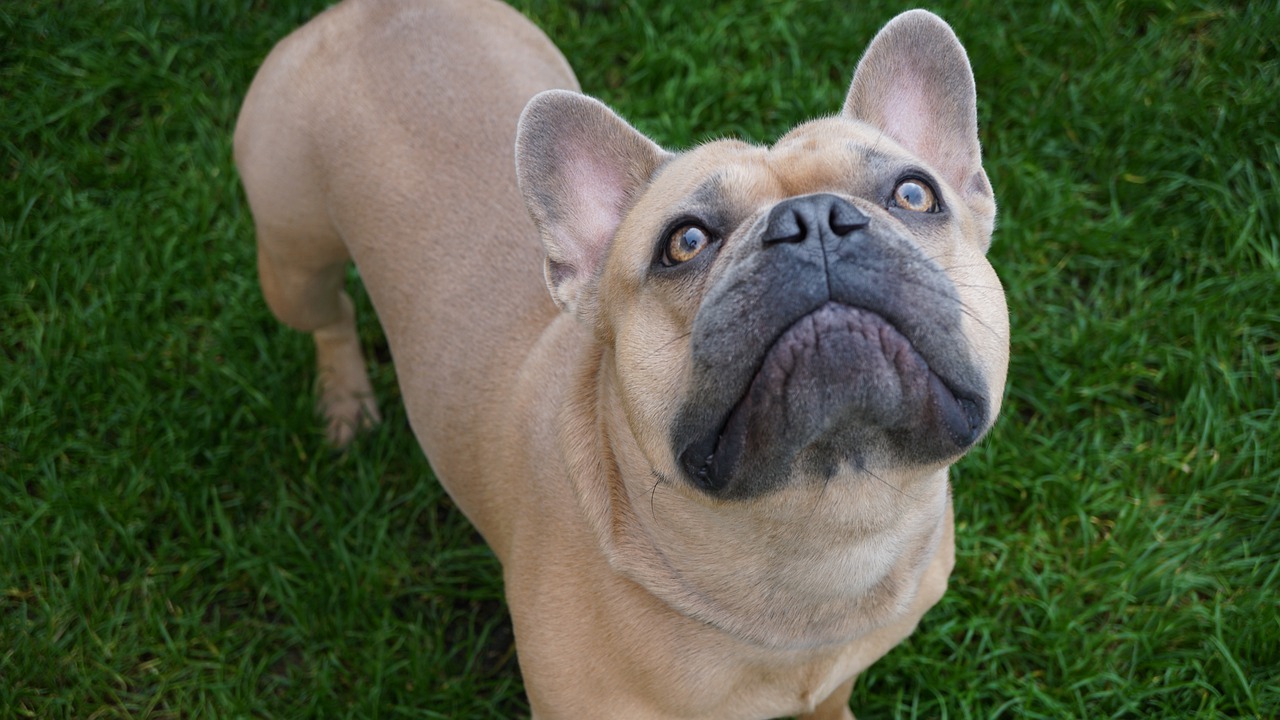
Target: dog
(701, 404)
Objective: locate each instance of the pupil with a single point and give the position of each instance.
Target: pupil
(913, 194)
(691, 239)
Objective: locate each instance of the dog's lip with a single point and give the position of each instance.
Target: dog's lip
(712, 459)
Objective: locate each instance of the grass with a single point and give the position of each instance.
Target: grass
(177, 541)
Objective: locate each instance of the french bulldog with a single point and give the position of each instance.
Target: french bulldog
(701, 404)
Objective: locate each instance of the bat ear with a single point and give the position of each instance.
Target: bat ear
(916, 85)
(581, 168)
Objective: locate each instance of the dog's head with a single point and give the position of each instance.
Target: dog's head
(779, 312)
(778, 317)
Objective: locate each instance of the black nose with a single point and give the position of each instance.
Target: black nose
(823, 215)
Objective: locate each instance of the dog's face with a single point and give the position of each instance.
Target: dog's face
(782, 314)
(778, 320)
(778, 314)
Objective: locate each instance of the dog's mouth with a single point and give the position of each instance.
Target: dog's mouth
(832, 382)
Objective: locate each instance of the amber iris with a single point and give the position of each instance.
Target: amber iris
(684, 244)
(915, 196)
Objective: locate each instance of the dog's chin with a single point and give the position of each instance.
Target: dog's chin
(838, 385)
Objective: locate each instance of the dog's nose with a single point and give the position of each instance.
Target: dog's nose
(796, 219)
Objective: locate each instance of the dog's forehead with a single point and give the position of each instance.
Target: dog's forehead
(816, 156)
(836, 148)
(830, 154)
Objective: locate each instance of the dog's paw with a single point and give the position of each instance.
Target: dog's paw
(346, 399)
(347, 413)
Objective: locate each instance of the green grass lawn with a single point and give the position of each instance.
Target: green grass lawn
(177, 541)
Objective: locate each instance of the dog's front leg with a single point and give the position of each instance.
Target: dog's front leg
(835, 707)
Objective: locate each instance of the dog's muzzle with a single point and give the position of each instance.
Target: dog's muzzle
(833, 341)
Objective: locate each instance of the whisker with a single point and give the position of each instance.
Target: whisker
(817, 501)
(664, 346)
(964, 308)
(888, 484)
(658, 479)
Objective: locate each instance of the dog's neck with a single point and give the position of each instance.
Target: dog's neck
(820, 562)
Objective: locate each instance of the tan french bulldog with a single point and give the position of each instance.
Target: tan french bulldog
(713, 460)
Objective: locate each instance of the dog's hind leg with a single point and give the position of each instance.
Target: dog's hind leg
(302, 258)
(303, 285)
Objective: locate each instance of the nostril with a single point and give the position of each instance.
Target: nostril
(801, 231)
(845, 218)
(785, 225)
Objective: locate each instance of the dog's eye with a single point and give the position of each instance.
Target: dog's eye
(915, 196)
(684, 243)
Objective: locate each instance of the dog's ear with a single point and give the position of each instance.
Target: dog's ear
(915, 84)
(580, 167)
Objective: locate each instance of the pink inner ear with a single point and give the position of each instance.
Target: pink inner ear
(906, 114)
(913, 114)
(595, 196)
